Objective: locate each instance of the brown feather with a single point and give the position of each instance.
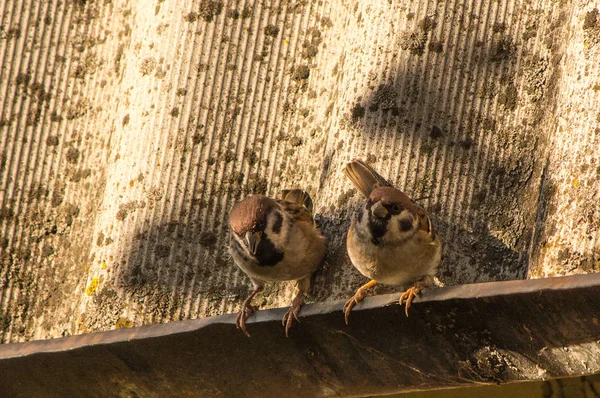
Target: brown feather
(249, 212)
(390, 195)
(377, 188)
(364, 177)
(297, 196)
(298, 204)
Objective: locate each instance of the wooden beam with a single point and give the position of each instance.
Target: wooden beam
(485, 333)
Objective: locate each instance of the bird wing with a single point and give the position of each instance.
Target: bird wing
(298, 204)
(425, 224)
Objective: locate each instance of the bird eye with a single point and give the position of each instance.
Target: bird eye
(396, 208)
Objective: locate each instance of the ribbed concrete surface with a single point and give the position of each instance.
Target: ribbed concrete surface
(128, 129)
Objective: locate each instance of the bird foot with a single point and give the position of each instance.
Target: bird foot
(408, 296)
(357, 298)
(360, 294)
(292, 313)
(240, 321)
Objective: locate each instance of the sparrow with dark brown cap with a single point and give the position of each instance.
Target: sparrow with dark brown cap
(275, 240)
(391, 239)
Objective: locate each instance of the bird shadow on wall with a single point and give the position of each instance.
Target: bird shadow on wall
(180, 270)
(438, 131)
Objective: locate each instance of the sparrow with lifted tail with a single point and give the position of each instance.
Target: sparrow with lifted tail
(391, 239)
(275, 240)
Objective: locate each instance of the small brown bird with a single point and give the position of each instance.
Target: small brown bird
(391, 239)
(275, 240)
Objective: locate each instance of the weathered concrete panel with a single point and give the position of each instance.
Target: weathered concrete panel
(128, 129)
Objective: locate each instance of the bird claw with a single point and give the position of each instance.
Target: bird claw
(360, 294)
(292, 313)
(408, 296)
(240, 320)
(354, 300)
(357, 298)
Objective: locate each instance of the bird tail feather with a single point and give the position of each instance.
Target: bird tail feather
(364, 177)
(298, 197)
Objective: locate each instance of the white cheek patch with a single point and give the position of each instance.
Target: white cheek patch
(406, 222)
(402, 225)
(361, 222)
(278, 229)
(362, 216)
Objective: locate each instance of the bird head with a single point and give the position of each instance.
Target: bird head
(257, 224)
(392, 215)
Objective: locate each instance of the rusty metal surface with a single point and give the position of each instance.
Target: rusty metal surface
(482, 333)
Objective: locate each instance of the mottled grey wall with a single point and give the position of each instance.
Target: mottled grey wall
(128, 129)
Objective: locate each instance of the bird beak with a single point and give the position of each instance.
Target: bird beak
(379, 210)
(253, 240)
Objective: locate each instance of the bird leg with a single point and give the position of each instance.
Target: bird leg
(410, 294)
(303, 286)
(360, 294)
(248, 309)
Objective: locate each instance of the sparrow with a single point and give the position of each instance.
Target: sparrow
(391, 239)
(275, 240)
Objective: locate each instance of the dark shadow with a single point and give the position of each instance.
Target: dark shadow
(452, 135)
(174, 263)
(461, 340)
(474, 250)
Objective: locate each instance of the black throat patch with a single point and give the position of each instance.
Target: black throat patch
(267, 254)
(378, 227)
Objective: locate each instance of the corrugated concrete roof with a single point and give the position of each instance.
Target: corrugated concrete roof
(128, 129)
